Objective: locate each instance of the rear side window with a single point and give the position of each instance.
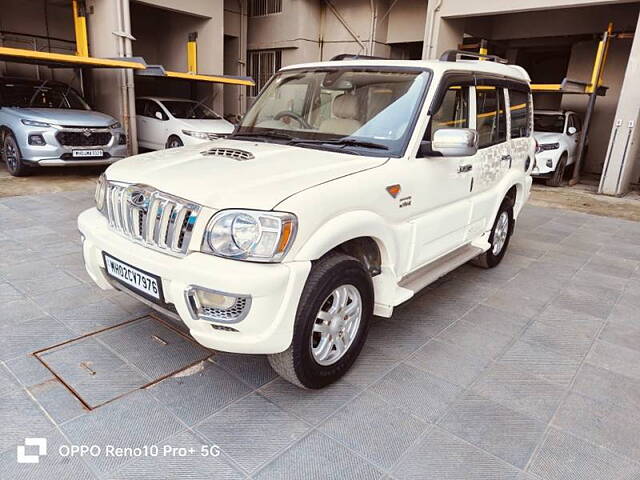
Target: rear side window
(491, 118)
(520, 113)
(453, 112)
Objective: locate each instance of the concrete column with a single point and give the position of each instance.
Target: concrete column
(440, 33)
(622, 163)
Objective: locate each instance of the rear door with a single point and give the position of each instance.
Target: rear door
(521, 110)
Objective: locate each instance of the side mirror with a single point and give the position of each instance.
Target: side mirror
(453, 142)
(158, 115)
(572, 130)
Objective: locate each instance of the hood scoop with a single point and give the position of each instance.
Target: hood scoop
(236, 154)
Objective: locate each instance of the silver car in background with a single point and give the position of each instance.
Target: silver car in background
(47, 123)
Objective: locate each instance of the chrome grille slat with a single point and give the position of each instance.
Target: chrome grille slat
(150, 217)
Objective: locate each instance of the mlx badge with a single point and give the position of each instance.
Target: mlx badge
(405, 202)
(393, 190)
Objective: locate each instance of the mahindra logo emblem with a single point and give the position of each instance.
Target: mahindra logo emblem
(138, 199)
(86, 132)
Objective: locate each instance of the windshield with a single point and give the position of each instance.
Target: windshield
(548, 123)
(190, 110)
(370, 109)
(40, 96)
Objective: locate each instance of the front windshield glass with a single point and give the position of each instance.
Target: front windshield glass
(346, 104)
(40, 96)
(190, 110)
(548, 123)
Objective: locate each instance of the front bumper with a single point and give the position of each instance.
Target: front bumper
(274, 288)
(546, 162)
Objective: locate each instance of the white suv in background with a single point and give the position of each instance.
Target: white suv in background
(174, 122)
(558, 135)
(348, 187)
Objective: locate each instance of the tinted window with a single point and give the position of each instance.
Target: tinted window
(491, 116)
(520, 113)
(43, 95)
(453, 112)
(191, 110)
(577, 122)
(544, 122)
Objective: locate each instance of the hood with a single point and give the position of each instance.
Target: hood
(275, 173)
(547, 137)
(209, 126)
(60, 116)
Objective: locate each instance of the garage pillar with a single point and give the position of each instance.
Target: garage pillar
(441, 34)
(622, 165)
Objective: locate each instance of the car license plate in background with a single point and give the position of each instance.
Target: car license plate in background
(140, 281)
(86, 153)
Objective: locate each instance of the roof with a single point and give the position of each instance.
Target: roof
(437, 66)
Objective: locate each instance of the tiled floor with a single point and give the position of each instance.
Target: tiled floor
(527, 371)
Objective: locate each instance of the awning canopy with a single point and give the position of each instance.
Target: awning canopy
(62, 60)
(158, 71)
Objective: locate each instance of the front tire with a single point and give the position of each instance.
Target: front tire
(331, 323)
(173, 142)
(558, 175)
(13, 158)
(499, 238)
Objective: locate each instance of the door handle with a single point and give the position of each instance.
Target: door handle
(465, 168)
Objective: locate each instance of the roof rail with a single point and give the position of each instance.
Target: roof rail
(351, 56)
(455, 55)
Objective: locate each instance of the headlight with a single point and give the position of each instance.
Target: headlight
(101, 192)
(115, 125)
(250, 235)
(201, 135)
(547, 146)
(34, 123)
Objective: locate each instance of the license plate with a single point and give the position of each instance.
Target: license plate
(141, 282)
(86, 153)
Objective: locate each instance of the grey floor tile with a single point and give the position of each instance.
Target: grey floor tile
(29, 370)
(448, 362)
(57, 401)
(374, 429)
(520, 391)
(16, 312)
(90, 318)
(515, 299)
(48, 283)
(130, 304)
(498, 430)
(49, 466)
(417, 392)
(611, 265)
(253, 430)
(494, 320)
(542, 362)
(133, 421)
(173, 466)
(318, 457)
(8, 382)
(370, 366)
(199, 391)
(475, 340)
(395, 339)
(311, 405)
(69, 298)
(607, 386)
(623, 332)
(601, 423)
(596, 300)
(442, 456)
(616, 358)
(8, 293)
(32, 335)
(253, 369)
(567, 339)
(152, 347)
(565, 457)
(21, 417)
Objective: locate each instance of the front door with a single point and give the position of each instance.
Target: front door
(440, 186)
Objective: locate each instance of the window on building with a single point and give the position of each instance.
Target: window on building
(491, 116)
(258, 8)
(520, 113)
(262, 65)
(453, 112)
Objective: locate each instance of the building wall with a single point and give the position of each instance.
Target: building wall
(406, 21)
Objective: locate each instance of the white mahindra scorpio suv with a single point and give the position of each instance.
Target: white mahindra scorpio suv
(348, 186)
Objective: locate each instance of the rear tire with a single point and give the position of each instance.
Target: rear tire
(13, 158)
(173, 142)
(558, 175)
(499, 238)
(331, 323)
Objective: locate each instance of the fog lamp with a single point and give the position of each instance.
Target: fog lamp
(36, 139)
(215, 300)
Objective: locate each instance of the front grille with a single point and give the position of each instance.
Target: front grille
(150, 217)
(84, 138)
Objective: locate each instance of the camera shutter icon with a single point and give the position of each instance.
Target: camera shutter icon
(23, 457)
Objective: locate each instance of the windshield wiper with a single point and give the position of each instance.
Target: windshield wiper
(347, 142)
(265, 134)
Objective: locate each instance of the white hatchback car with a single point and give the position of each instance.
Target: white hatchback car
(348, 187)
(558, 135)
(174, 122)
